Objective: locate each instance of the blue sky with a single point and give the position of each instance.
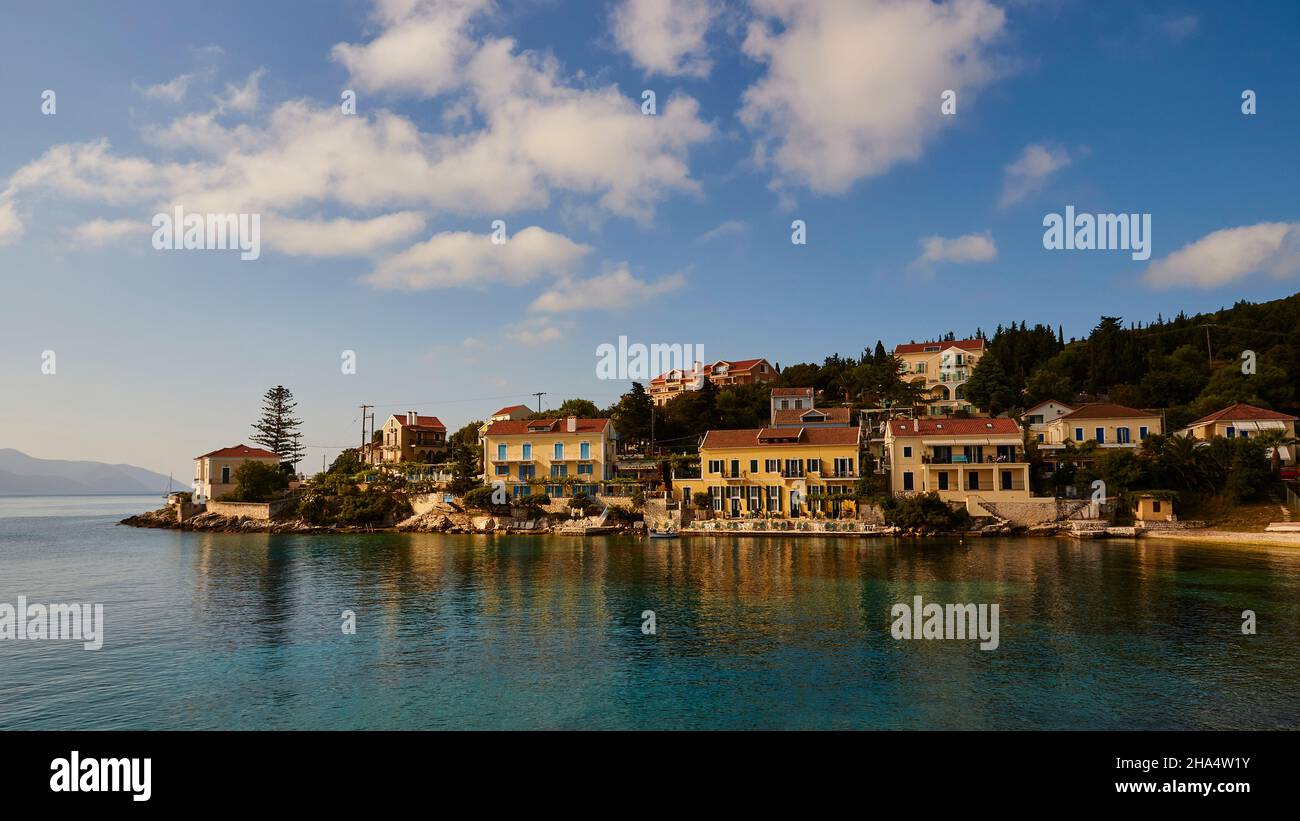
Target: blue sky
(671, 228)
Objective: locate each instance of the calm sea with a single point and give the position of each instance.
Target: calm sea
(244, 631)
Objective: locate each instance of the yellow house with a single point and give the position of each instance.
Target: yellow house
(776, 471)
(957, 458)
(1242, 421)
(723, 373)
(1154, 509)
(1107, 424)
(411, 437)
(214, 472)
(560, 457)
(942, 369)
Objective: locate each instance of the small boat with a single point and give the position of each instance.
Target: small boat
(663, 534)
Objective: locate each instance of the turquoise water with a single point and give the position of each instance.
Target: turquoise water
(243, 631)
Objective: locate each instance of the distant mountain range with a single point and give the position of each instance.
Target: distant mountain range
(20, 473)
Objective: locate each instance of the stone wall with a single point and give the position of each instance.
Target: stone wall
(258, 511)
(1033, 511)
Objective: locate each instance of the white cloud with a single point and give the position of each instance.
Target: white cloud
(11, 225)
(666, 36)
(616, 289)
(726, 229)
(99, 232)
(853, 87)
(340, 237)
(1029, 172)
(537, 331)
(243, 98)
(1230, 254)
(464, 258)
(419, 50)
(966, 248)
(173, 90)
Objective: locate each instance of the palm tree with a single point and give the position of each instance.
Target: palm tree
(1275, 439)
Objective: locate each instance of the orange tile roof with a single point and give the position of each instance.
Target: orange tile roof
(512, 409)
(238, 451)
(919, 347)
(791, 416)
(422, 422)
(1105, 410)
(1241, 412)
(1000, 426)
(753, 437)
(512, 427)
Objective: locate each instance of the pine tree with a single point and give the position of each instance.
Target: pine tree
(277, 430)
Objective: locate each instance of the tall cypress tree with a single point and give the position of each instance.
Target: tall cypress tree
(277, 430)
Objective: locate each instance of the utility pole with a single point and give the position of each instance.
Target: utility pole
(539, 396)
(1209, 352)
(364, 408)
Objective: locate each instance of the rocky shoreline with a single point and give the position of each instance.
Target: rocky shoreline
(434, 521)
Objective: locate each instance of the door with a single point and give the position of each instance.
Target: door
(1006, 480)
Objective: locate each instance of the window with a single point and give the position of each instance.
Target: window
(785, 404)
(844, 466)
(585, 469)
(973, 482)
(501, 453)
(503, 470)
(1142, 432)
(1101, 436)
(1078, 434)
(774, 498)
(1232, 432)
(559, 471)
(753, 466)
(755, 498)
(559, 450)
(225, 476)
(798, 404)
(528, 451)
(520, 491)
(814, 466)
(1121, 436)
(943, 480)
(907, 452)
(1155, 506)
(907, 481)
(527, 472)
(1040, 437)
(715, 466)
(735, 467)
(584, 450)
(772, 465)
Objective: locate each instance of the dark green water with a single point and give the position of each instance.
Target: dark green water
(227, 631)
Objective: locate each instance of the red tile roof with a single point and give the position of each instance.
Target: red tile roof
(753, 437)
(1050, 402)
(1000, 426)
(919, 347)
(512, 427)
(511, 409)
(1105, 410)
(1241, 412)
(734, 366)
(421, 422)
(240, 451)
(792, 416)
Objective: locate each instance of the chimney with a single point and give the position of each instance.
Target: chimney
(572, 424)
(410, 417)
(916, 426)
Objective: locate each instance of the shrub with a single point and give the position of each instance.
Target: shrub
(258, 482)
(925, 511)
